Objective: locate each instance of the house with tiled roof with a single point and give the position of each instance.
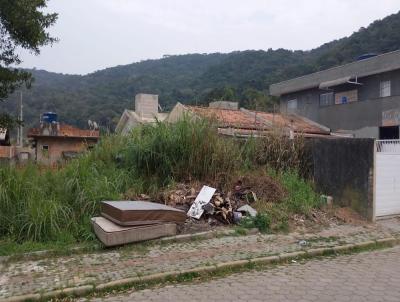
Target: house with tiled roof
(234, 121)
(55, 142)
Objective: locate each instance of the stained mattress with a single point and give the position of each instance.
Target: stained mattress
(134, 213)
(111, 234)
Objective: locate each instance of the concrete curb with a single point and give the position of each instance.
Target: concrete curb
(277, 259)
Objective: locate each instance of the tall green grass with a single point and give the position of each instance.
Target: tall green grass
(189, 149)
(38, 204)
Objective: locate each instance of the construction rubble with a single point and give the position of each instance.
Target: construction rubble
(226, 208)
(123, 222)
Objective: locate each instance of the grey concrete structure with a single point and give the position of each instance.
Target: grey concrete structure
(224, 105)
(329, 163)
(146, 112)
(362, 97)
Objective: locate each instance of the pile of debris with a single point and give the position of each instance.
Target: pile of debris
(124, 222)
(212, 204)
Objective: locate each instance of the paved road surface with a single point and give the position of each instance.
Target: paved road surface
(371, 276)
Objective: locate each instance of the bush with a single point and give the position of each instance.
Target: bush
(279, 152)
(301, 195)
(181, 151)
(261, 221)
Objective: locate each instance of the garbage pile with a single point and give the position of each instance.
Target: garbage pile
(183, 207)
(211, 203)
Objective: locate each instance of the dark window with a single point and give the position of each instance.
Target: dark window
(389, 132)
(45, 150)
(326, 99)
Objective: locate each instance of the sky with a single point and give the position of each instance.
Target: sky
(95, 34)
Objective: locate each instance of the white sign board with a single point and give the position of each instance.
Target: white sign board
(204, 197)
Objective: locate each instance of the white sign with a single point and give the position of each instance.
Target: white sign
(204, 197)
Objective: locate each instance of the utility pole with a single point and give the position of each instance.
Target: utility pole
(21, 118)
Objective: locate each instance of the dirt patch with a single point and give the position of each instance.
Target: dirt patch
(266, 188)
(347, 215)
(192, 226)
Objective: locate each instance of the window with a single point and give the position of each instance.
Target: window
(346, 97)
(326, 99)
(385, 89)
(292, 105)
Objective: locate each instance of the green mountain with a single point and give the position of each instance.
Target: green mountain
(193, 78)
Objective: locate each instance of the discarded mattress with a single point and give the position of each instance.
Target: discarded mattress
(111, 234)
(134, 213)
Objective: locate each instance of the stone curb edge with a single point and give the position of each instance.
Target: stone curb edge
(80, 291)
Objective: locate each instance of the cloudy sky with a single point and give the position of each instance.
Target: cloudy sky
(95, 34)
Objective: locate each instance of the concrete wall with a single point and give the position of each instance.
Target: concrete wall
(344, 168)
(58, 145)
(177, 113)
(224, 105)
(146, 105)
(365, 114)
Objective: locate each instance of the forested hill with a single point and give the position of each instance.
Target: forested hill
(194, 78)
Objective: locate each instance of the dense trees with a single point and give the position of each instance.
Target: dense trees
(196, 78)
(22, 24)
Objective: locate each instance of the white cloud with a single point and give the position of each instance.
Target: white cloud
(98, 33)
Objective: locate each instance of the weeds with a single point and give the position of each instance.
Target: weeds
(43, 205)
(182, 151)
(40, 205)
(261, 221)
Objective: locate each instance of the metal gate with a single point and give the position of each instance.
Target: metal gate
(387, 178)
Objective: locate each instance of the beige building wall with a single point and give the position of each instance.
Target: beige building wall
(177, 113)
(224, 105)
(146, 105)
(49, 150)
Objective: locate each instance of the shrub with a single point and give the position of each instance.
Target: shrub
(261, 221)
(279, 152)
(181, 151)
(301, 195)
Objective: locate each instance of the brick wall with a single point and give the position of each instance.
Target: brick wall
(7, 152)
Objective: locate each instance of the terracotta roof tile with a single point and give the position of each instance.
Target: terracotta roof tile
(228, 117)
(66, 131)
(258, 120)
(292, 121)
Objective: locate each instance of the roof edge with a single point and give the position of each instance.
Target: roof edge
(275, 90)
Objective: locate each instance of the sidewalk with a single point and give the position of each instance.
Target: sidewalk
(90, 270)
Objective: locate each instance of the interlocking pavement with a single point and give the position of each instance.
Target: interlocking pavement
(365, 277)
(21, 277)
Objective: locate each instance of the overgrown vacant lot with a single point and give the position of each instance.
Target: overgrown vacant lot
(41, 207)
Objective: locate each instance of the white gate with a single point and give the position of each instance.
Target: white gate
(387, 178)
